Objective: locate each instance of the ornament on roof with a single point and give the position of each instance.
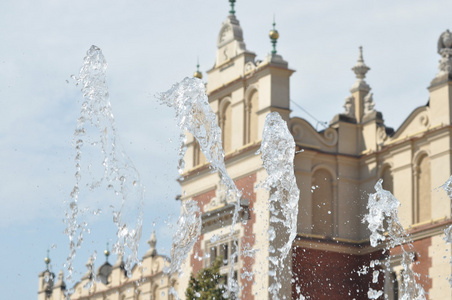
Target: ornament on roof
(274, 35)
(360, 70)
(349, 107)
(445, 50)
(369, 104)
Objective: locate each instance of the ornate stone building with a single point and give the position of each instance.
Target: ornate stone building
(147, 281)
(335, 168)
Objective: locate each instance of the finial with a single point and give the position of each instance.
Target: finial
(152, 240)
(445, 50)
(107, 253)
(232, 11)
(274, 35)
(152, 243)
(360, 68)
(47, 259)
(360, 58)
(197, 74)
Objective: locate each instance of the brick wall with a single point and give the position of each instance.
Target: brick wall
(326, 275)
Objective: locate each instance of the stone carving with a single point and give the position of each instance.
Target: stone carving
(297, 131)
(369, 104)
(331, 137)
(445, 41)
(360, 70)
(220, 199)
(381, 135)
(445, 50)
(301, 128)
(249, 66)
(349, 106)
(424, 119)
(225, 34)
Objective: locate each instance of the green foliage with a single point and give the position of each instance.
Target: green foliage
(208, 284)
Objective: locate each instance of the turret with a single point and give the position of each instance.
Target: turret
(46, 280)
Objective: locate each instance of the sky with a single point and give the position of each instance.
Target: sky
(149, 45)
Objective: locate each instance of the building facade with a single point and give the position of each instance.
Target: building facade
(335, 169)
(146, 281)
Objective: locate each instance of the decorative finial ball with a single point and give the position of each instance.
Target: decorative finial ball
(47, 260)
(197, 74)
(274, 35)
(445, 41)
(106, 252)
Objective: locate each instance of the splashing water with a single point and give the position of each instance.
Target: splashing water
(383, 206)
(189, 228)
(447, 186)
(102, 166)
(194, 114)
(278, 151)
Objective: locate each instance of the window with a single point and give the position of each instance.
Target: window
(388, 181)
(423, 210)
(227, 248)
(251, 108)
(226, 124)
(322, 203)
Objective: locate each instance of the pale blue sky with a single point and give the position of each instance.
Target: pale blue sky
(149, 45)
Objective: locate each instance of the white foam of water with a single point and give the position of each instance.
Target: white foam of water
(102, 165)
(194, 114)
(278, 151)
(383, 217)
(447, 186)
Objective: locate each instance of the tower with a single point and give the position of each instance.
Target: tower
(241, 91)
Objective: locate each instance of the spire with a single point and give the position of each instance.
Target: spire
(107, 253)
(152, 243)
(274, 35)
(197, 74)
(119, 263)
(232, 11)
(47, 260)
(90, 268)
(360, 70)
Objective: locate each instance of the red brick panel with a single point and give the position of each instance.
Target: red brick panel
(422, 262)
(325, 275)
(246, 185)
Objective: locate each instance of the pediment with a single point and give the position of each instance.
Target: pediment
(307, 136)
(418, 121)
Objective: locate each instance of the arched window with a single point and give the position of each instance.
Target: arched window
(225, 124)
(198, 156)
(155, 293)
(423, 208)
(388, 181)
(322, 203)
(251, 117)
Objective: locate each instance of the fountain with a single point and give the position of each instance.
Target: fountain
(102, 166)
(278, 151)
(111, 170)
(447, 186)
(383, 218)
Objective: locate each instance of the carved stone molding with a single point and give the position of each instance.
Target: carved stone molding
(369, 104)
(424, 119)
(349, 107)
(328, 138)
(381, 135)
